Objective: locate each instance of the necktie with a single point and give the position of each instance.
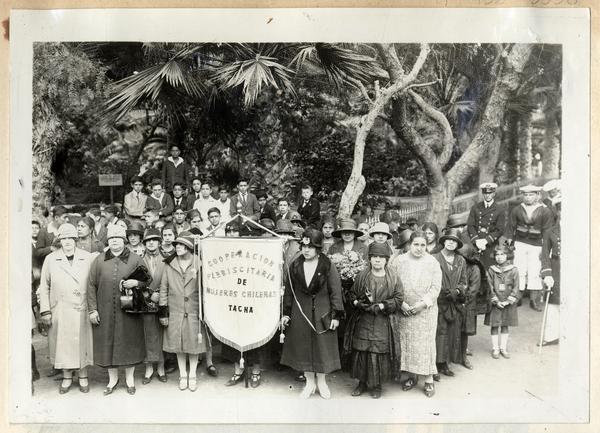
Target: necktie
(244, 199)
(197, 195)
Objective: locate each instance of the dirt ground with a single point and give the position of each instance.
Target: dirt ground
(526, 373)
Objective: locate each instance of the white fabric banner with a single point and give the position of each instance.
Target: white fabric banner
(242, 289)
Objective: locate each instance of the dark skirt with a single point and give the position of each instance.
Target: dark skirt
(448, 339)
(470, 322)
(153, 338)
(506, 316)
(253, 356)
(370, 368)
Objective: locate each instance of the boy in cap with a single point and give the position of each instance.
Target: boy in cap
(526, 226)
(486, 223)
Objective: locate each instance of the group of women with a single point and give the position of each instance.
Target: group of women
(405, 312)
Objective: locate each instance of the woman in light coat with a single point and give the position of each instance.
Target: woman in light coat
(63, 307)
(179, 311)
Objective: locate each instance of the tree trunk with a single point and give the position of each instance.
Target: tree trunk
(42, 185)
(525, 148)
(551, 155)
(440, 199)
(488, 161)
(509, 149)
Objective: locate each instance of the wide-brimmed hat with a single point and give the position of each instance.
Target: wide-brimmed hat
(347, 225)
(296, 218)
(456, 220)
(312, 238)
(186, 241)
(378, 249)
(116, 231)
(451, 234)
(67, 231)
(284, 227)
(380, 228)
(152, 233)
(135, 228)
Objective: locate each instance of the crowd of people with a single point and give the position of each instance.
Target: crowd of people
(380, 299)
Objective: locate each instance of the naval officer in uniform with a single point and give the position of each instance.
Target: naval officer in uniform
(486, 223)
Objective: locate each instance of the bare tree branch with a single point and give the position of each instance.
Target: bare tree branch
(442, 121)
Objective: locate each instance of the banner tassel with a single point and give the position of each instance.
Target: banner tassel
(241, 360)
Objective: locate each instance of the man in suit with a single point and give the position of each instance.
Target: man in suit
(486, 223)
(248, 204)
(160, 201)
(134, 202)
(178, 199)
(283, 205)
(194, 194)
(310, 208)
(175, 169)
(266, 210)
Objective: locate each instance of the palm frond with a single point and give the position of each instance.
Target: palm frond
(150, 83)
(252, 75)
(340, 64)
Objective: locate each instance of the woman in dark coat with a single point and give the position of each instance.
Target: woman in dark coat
(450, 302)
(312, 307)
(475, 277)
(376, 294)
(118, 336)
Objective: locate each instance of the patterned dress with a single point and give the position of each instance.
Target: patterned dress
(421, 279)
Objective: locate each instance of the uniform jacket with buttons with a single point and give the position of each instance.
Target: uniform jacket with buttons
(520, 227)
(486, 223)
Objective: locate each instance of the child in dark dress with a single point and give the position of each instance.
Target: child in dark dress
(503, 278)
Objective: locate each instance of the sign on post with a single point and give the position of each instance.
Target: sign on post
(113, 179)
(242, 289)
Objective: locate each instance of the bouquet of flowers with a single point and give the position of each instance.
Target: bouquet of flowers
(348, 264)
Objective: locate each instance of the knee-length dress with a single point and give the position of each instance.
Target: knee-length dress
(119, 338)
(63, 290)
(179, 291)
(304, 349)
(421, 279)
(451, 309)
(504, 286)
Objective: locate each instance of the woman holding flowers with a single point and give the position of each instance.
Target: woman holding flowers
(376, 294)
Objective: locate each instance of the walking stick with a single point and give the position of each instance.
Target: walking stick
(544, 322)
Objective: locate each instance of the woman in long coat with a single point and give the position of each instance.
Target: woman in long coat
(179, 312)
(153, 332)
(63, 287)
(421, 278)
(451, 309)
(118, 336)
(376, 293)
(312, 307)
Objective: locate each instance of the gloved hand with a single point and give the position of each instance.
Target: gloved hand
(549, 281)
(164, 321)
(373, 309)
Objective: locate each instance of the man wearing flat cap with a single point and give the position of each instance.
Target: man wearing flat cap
(553, 196)
(486, 222)
(526, 226)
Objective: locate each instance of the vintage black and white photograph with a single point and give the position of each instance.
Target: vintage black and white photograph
(301, 218)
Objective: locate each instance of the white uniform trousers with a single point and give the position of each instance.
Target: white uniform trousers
(527, 260)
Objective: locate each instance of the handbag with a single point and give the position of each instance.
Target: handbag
(137, 300)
